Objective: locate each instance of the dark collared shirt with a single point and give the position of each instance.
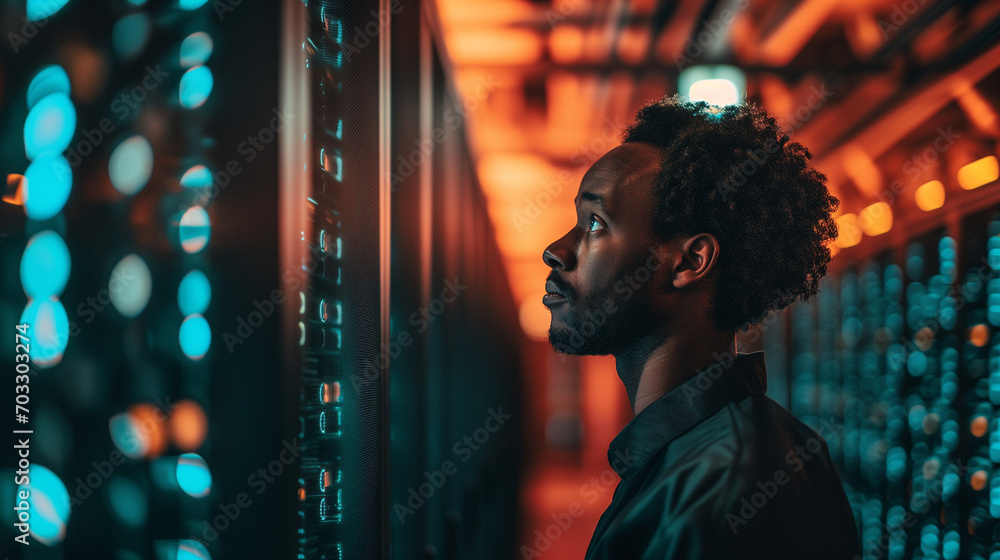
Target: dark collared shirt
(716, 469)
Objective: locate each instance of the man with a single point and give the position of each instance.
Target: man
(701, 223)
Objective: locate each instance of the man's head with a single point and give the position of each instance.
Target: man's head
(703, 218)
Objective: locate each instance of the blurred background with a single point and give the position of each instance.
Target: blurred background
(278, 265)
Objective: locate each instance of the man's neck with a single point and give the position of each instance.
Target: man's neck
(660, 362)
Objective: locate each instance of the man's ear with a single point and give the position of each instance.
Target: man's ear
(695, 259)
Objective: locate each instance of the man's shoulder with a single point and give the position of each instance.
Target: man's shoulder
(748, 480)
(746, 428)
(745, 444)
(769, 431)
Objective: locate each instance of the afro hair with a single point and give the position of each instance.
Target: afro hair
(733, 172)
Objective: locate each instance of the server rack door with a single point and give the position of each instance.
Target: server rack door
(335, 202)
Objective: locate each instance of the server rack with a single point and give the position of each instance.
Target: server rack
(321, 253)
(334, 202)
(895, 365)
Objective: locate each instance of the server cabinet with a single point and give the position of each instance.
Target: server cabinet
(285, 309)
(334, 230)
(896, 365)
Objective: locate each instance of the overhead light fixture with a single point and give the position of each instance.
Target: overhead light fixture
(719, 85)
(978, 173)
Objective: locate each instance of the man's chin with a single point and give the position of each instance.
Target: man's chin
(565, 340)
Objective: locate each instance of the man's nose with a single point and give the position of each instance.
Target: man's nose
(559, 254)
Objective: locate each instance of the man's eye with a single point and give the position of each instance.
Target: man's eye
(594, 224)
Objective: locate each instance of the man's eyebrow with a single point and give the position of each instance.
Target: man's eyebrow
(595, 198)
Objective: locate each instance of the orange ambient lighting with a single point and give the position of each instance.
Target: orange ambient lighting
(784, 43)
(535, 318)
(849, 234)
(15, 186)
(875, 219)
(979, 173)
(924, 339)
(979, 111)
(862, 170)
(457, 13)
(930, 196)
(511, 47)
(979, 335)
(978, 480)
(566, 43)
(149, 420)
(508, 177)
(978, 426)
(633, 44)
(188, 425)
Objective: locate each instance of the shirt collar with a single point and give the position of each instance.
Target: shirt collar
(707, 391)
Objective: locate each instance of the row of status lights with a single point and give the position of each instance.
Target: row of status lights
(876, 219)
(43, 191)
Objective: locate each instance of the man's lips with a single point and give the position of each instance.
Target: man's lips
(553, 295)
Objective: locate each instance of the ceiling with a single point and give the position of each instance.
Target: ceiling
(868, 86)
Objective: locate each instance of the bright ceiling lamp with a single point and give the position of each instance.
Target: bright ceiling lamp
(716, 84)
(930, 196)
(875, 219)
(848, 232)
(978, 173)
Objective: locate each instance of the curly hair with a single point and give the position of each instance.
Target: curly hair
(733, 172)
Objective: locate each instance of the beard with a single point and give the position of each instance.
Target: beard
(607, 322)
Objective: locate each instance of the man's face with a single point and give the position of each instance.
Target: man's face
(602, 287)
